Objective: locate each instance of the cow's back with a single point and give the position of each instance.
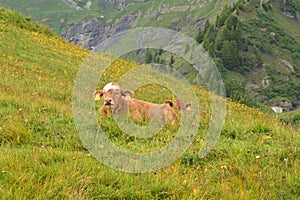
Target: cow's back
(143, 110)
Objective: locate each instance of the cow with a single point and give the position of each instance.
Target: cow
(182, 107)
(138, 109)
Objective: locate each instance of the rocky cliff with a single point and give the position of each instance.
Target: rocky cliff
(92, 32)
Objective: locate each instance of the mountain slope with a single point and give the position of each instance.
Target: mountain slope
(41, 155)
(256, 52)
(88, 26)
(260, 66)
(60, 14)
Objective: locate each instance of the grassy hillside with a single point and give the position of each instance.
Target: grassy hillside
(260, 67)
(41, 155)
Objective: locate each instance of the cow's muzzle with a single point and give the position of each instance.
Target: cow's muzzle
(108, 102)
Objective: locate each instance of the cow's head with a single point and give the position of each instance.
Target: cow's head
(113, 96)
(108, 86)
(181, 105)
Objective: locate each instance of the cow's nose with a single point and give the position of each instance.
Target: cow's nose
(107, 101)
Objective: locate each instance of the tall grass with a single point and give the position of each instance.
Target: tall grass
(42, 157)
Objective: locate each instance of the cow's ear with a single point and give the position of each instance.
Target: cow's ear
(98, 93)
(126, 93)
(188, 106)
(169, 102)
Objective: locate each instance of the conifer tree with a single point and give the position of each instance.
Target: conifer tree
(230, 55)
(148, 57)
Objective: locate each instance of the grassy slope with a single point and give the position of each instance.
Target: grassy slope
(41, 156)
(274, 68)
(290, 26)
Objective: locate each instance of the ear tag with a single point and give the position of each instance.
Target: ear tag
(97, 98)
(127, 97)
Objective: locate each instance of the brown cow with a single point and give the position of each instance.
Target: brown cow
(139, 110)
(181, 106)
(184, 108)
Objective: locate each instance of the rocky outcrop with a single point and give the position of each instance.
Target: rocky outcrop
(291, 10)
(286, 105)
(92, 32)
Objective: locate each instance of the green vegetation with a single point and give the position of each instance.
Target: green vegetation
(251, 43)
(60, 14)
(244, 46)
(41, 155)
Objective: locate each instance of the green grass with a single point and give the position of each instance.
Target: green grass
(290, 26)
(271, 53)
(42, 157)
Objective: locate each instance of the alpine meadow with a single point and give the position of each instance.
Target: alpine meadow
(257, 155)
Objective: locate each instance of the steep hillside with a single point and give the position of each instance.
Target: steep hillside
(258, 57)
(61, 14)
(258, 54)
(42, 157)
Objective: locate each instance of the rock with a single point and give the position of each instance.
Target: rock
(252, 86)
(263, 30)
(112, 2)
(289, 12)
(257, 66)
(188, 18)
(286, 105)
(92, 32)
(289, 15)
(265, 82)
(277, 109)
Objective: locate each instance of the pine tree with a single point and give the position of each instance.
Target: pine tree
(219, 43)
(160, 51)
(231, 22)
(211, 50)
(223, 16)
(227, 34)
(199, 36)
(230, 55)
(172, 61)
(206, 27)
(148, 57)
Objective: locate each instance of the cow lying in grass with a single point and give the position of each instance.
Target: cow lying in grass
(138, 109)
(183, 108)
(180, 106)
